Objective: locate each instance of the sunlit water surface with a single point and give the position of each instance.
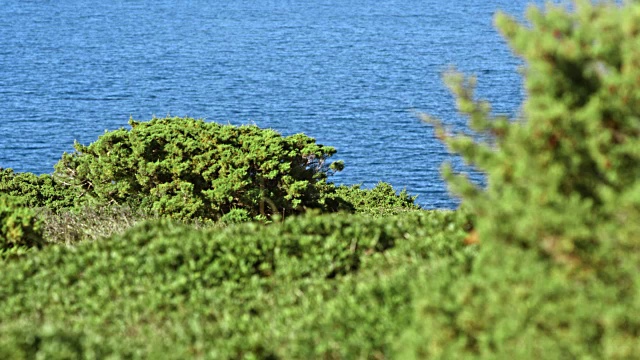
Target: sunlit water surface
(353, 74)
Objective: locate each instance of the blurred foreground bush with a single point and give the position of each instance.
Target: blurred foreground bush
(317, 286)
(557, 274)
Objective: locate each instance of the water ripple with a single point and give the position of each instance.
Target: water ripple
(349, 73)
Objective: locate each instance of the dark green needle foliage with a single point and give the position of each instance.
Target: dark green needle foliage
(19, 226)
(557, 275)
(381, 200)
(191, 169)
(37, 191)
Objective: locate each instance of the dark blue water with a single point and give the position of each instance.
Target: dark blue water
(349, 73)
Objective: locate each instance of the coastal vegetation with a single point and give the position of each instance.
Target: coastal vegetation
(179, 238)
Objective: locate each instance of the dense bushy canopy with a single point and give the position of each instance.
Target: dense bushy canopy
(37, 191)
(191, 169)
(19, 225)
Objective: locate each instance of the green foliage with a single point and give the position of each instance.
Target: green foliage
(63, 216)
(189, 169)
(557, 275)
(235, 216)
(24, 341)
(382, 200)
(7, 254)
(19, 226)
(37, 191)
(315, 286)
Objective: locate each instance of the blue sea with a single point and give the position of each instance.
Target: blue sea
(352, 74)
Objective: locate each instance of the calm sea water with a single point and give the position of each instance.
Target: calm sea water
(352, 74)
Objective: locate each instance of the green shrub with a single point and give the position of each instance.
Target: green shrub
(37, 191)
(381, 200)
(19, 226)
(314, 286)
(557, 275)
(24, 341)
(190, 169)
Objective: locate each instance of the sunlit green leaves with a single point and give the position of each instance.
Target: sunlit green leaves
(19, 225)
(191, 169)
